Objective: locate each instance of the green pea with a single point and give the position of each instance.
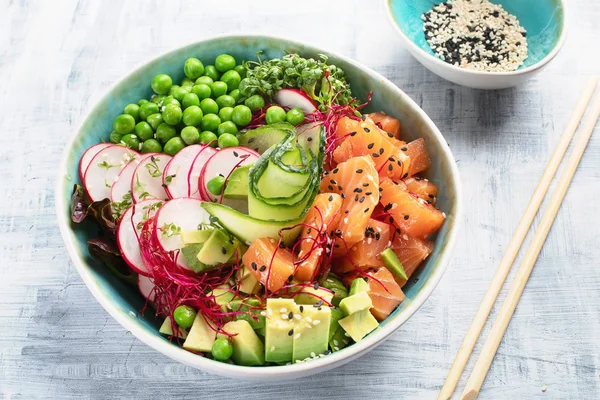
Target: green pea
(225, 113)
(158, 98)
(242, 115)
(215, 185)
(165, 132)
(131, 141)
(190, 135)
(202, 90)
(237, 95)
(179, 93)
(275, 114)
(192, 116)
(193, 68)
(184, 316)
(255, 102)
(187, 83)
(218, 88)
(170, 100)
(295, 116)
(232, 79)
(210, 122)
(190, 99)
(241, 70)
(225, 101)
(227, 127)
(151, 146)
(147, 109)
(173, 88)
(155, 120)
(142, 101)
(211, 72)
(209, 106)
(115, 137)
(224, 62)
(133, 110)
(207, 80)
(144, 131)
(221, 349)
(161, 84)
(124, 124)
(173, 146)
(172, 114)
(208, 137)
(228, 140)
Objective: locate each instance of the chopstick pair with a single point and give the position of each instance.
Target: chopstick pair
(509, 305)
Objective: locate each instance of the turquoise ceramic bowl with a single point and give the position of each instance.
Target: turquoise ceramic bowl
(544, 20)
(124, 302)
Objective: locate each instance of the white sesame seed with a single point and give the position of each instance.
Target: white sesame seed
(284, 316)
(312, 354)
(316, 322)
(308, 319)
(346, 220)
(283, 310)
(298, 316)
(297, 335)
(309, 326)
(264, 314)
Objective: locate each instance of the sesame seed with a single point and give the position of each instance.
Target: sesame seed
(404, 148)
(298, 316)
(284, 316)
(352, 133)
(301, 308)
(370, 146)
(283, 310)
(367, 129)
(262, 268)
(406, 217)
(359, 171)
(297, 336)
(254, 266)
(290, 315)
(291, 332)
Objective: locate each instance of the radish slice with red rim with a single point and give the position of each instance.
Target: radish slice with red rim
(121, 188)
(146, 286)
(86, 158)
(104, 169)
(146, 182)
(175, 176)
(223, 163)
(193, 175)
(176, 216)
(295, 98)
(128, 232)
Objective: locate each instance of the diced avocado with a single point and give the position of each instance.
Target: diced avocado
(191, 237)
(201, 336)
(167, 329)
(248, 283)
(279, 340)
(190, 253)
(261, 331)
(260, 139)
(237, 184)
(247, 347)
(359, 324)
(336, 315)
(217, 250)
(355, 303)
(392, 262)
(358, 285)
(223, 296)
(339, 340)
(334, 284)
(310, 295)
(251, 309)
(311, 333)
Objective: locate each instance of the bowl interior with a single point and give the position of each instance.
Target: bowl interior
(98, 124)
(543, 20)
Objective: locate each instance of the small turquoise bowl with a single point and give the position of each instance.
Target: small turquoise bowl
(124, 302)
(544, 20)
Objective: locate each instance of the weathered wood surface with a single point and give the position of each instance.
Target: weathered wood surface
(57, 342)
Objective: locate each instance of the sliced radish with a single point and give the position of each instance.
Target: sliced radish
(174, 217)
(175, 176)
(295, 98)
(193, 175)
(146, 182)
(128, 232)
(121, 188)
(86, 158)
(104, 169)
(146, 286)
(223, 163)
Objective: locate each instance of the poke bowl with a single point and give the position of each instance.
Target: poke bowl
(187, 239)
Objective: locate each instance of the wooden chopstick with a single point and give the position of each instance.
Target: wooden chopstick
(515, 245)
(523, 273)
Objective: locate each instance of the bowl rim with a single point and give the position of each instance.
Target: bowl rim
(272, 372)
(541, 63)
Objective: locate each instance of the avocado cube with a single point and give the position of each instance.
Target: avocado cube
(248, 283)
(247, 348)
(167, 329)
(279, 340)
(218, 249)
(311, 333)
(339, 339)
(355, 303)
(201, 336)
(393, 263)
(251, 309)
(190, 254)
(223, 296)
(309, 295)
(237, 184)
(336, 315)
(359, 324)
(358, 285)
(191, 237)
(334, 284)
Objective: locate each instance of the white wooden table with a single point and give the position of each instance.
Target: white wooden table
(57, 342)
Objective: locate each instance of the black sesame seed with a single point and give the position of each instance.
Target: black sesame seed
(356, 198)
(370, 145)
(357, 190)
(262, 268)
(368, 193)
(346, 212)
(352, 133)
(359, 171)
(330, 187)
(398, 231)
(362, 199)
(367, 129)
(381, 151)
(291, 332)
(405, 175)
(390, 134)
(291, 315)
(335, 171)
(309, 139)
(316, 286)
(430, 196)
(250, 140)
(301, 308)
(391, 220)
(406, 217)
(333, 182)
(223, 250)
(375, 155)
(390, 166)
(343, 195)
(404, 148)
(236, 154)
(282, 245)
(366, 210)
(319, 303)
(330, 198)
(254, 267)
(340, 187)
(365, 184)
